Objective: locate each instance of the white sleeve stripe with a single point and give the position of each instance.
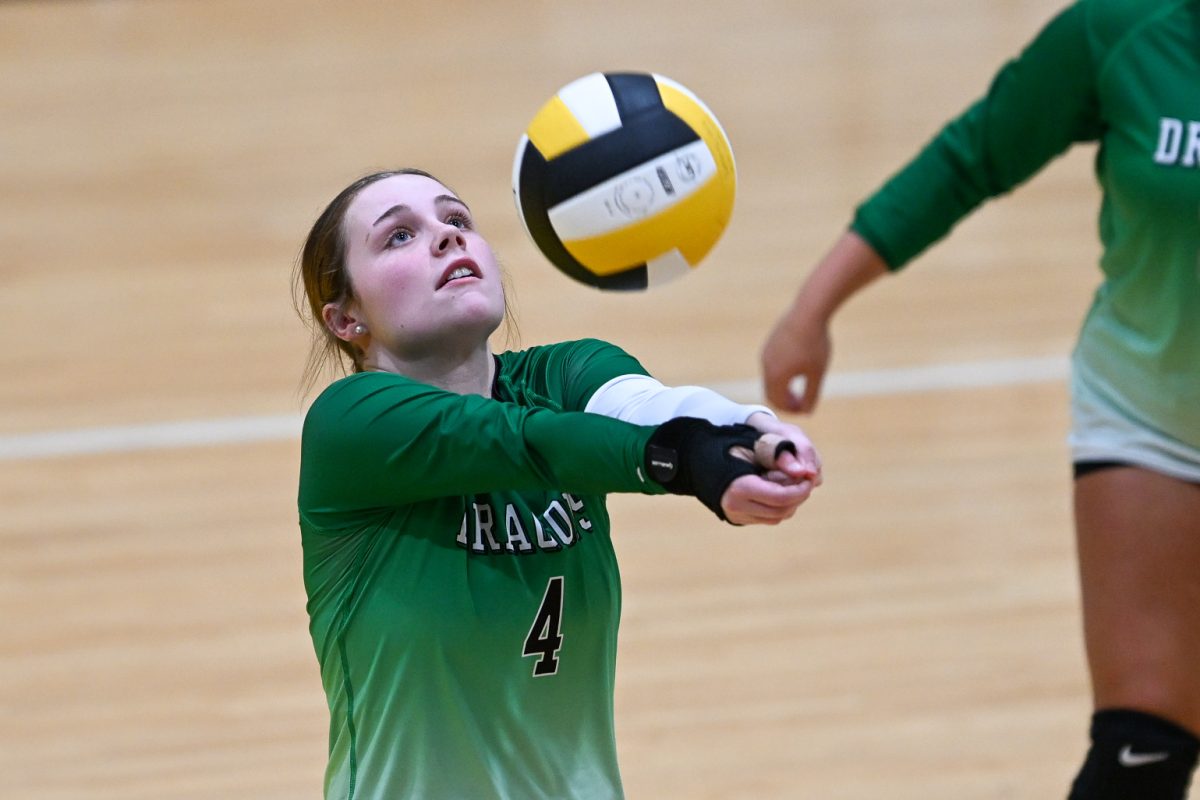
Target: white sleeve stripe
(643, 400)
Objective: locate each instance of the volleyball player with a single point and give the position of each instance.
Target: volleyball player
(463, 590)
(1125, 74)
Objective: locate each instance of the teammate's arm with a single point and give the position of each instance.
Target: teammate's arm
(800, 345)
(1037, 105)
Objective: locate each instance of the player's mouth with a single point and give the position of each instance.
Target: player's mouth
(462, 269)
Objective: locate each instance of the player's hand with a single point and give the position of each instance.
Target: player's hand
(758, 472)
(799, 463)
(798, 347)
(788, 471)
(692, 456)
(760, 500)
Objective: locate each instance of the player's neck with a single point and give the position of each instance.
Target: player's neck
(461, 373)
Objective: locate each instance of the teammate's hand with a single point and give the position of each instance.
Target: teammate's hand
(798, 347)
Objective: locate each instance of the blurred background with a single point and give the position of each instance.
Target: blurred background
(911, 633)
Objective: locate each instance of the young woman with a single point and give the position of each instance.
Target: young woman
(463, 591)
(1126, 74)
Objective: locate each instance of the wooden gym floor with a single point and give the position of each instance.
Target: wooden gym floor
(912, 633)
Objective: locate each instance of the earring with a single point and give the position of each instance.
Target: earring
(360, 329)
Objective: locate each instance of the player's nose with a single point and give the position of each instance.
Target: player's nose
(448, 238)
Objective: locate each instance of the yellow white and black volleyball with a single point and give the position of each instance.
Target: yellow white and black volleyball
(624, 180)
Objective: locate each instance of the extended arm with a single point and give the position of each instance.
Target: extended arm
(1036, 107)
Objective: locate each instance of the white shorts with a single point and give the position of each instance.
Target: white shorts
(1102, 432)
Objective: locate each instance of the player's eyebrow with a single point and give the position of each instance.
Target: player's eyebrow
(401, 207)
(391, 212)
(449, 198)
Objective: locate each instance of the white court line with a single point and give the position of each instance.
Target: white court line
(151, 436)
(907, 380)
(281, 427)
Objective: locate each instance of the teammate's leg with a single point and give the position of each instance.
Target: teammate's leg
(1139, 559)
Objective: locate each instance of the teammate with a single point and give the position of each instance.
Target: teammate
(463, 590)
(1126, 74)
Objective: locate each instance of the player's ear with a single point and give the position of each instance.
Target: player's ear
(343, 324)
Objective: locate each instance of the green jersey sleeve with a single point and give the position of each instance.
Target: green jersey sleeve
(377, 440)
(563, 376)
(1037, 106)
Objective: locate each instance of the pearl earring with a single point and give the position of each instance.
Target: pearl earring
(360, 329)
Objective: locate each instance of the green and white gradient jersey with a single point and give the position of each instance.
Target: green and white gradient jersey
(463, 591)
(1124, 73)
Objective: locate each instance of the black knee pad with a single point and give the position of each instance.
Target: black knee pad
(1136, 756)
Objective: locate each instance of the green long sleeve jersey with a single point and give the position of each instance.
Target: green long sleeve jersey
(463, 591)
(1125, 74)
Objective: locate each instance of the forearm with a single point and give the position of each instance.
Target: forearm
(385, 441)
(1037, 105)
(850, 265)
(643, 400)
(588, 453)
(799, 346)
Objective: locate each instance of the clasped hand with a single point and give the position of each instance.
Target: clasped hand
(786, 481)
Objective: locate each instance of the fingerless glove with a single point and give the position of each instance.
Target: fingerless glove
(691, 456)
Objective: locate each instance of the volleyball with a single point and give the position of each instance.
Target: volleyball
(624, 180)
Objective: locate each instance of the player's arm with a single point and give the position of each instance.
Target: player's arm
(601, 378)
(726, 467)
(643, 400)
(1038, 104)
(787, 465)
(381, 440)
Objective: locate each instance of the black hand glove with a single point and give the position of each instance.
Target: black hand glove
(692, 456)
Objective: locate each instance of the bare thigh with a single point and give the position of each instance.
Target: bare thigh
(1139, 558)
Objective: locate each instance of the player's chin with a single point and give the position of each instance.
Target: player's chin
(479, 308)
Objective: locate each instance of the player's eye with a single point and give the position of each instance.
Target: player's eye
(398, 237)
(459, 220)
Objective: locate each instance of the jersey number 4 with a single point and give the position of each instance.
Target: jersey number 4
(545, 635)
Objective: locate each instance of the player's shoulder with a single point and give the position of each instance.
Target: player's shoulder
(565, 352)
(563, 375)
(347, 392)
(351, 386)
(1110, 22)
(583, 345)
